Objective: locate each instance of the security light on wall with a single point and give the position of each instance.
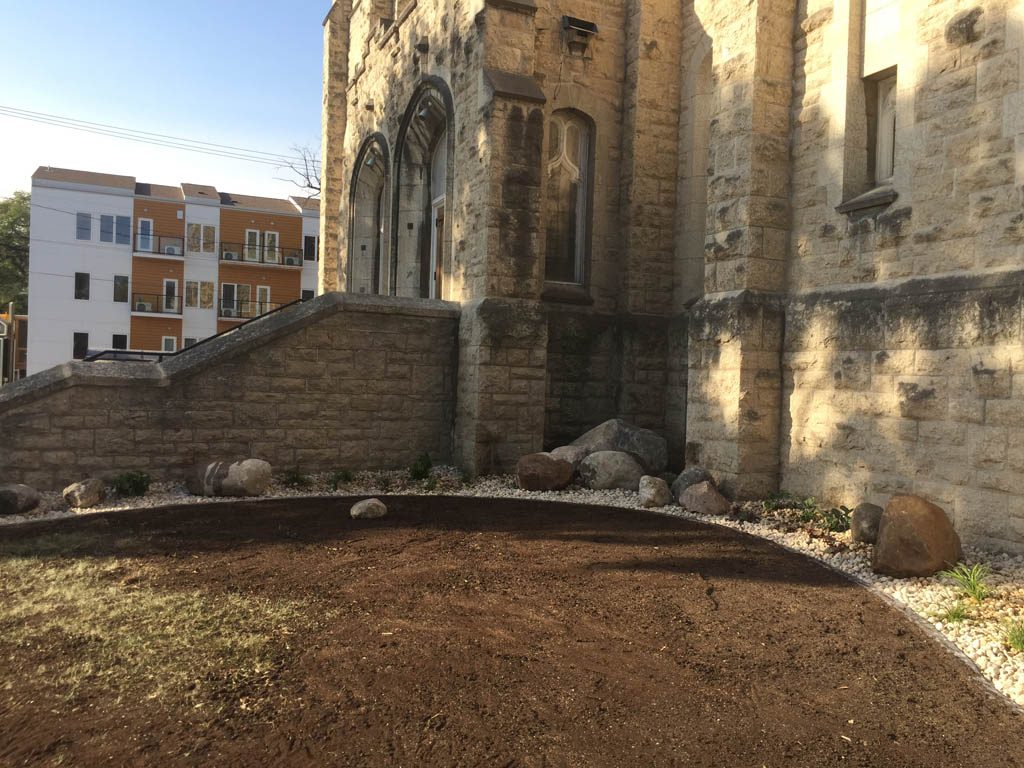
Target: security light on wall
(577, 34)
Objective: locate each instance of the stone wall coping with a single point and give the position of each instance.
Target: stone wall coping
(514, 86)
(198, 358)
(973, 282)
(521, 6)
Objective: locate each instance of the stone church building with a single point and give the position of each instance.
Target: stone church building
(786, 234)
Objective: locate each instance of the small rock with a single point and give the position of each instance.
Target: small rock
(649, 448)
(17, 499)
(704, 499)
(864, 523)
(689, 476)
(654, 492)
(85, 494)
(250, 477)
(915, 538)
(574, 454)
(368, 509)
(604, 470)
(544, 472)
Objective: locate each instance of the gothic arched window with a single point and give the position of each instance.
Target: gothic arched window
(567, 201)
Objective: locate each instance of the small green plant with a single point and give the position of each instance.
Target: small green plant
(430, 484)
(131, 484)
(420, 469)
(970, 580)
(293, 478)
(340, 478)
(837, 519)
(1015, 636)
(954, 615)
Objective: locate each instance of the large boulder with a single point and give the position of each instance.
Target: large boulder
(250, 477)
(574, 454)
(864, 523)
(603, 470)
(915, 538)
(704, 499)
(543, 472)
(17, 499)
(368, 509)
(689, 476)
(649, 448)
(654, 492)
(87, 493)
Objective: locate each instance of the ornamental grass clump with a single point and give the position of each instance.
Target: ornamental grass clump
(1015, 636)
(970, 579)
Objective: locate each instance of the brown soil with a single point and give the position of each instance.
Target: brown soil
(462, 632)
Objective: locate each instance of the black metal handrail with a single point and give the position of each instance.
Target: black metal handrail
(159, 357)
(245, 310)
(156, 303)
(159, 245)
(261, 254)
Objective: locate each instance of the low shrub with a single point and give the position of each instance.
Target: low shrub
(340, 478)
(293, 478)
(420, 469)
(836, 520)
(956, 614)
(131, 484)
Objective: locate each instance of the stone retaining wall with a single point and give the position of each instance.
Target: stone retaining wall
(339, 382)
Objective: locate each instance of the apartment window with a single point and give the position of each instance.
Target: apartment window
(263, 298)
(82, 286)
(252, 245)
(80, 346)
(106, 229)
(120, 289)
(83, 226)
(568, 197)
(169, 344)
(228, 300)
(309, 249)
(883, 128)
(191, 293)
(144, 242)
(189, 342)
(307, 295)
(271, 247)
(206, 291)
(123, 230)
(119, 341)
(202, 238)
(170, 295)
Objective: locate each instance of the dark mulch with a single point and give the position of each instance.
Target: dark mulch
(461, 632)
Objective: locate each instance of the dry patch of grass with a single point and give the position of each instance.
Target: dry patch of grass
(94, 624)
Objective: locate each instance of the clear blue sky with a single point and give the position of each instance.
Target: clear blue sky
(246, 74)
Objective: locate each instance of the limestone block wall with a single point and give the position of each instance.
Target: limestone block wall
(340, 382)
(902, 353)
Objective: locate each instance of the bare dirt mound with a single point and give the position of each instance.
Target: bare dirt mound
(462, 632)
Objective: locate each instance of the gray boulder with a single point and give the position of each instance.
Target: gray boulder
(368, 509)
(543, 472)
(649, 448)
(864, 523)
(603, 470)
(915, 538)
(654, 492)
(17, 499)
(87, 493)
(689, 476)
(250, 477)
(704, 499)
(574, 454)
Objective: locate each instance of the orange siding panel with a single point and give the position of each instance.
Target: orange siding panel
(148, 275)
(164, 215)
(148, 332)
(285, 284)
(234, 223)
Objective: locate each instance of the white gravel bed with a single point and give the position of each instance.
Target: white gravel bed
(981, 637)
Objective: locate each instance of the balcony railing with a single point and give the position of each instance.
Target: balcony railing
(159, 245)
(244, 310)
(156, 303)
(260, 254)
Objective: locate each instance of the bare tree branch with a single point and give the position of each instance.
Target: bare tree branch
(304, 172)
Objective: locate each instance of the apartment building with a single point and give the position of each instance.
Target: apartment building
(118, 264)
(13, 341)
